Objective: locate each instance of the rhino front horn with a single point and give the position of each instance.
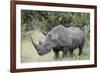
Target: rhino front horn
(36, 46)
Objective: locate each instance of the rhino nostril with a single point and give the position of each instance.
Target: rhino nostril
(39, 52)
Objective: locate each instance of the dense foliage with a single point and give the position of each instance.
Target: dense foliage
(45, 20)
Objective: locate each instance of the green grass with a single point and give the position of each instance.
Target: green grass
(29, 54)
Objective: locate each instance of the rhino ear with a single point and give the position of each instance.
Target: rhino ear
(54, 36)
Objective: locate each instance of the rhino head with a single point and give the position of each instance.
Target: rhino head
(46, 46)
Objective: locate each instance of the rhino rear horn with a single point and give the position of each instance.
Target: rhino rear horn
(45, 33)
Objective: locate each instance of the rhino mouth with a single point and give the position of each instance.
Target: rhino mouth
(43, 53)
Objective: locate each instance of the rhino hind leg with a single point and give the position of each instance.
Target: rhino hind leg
(81, 48)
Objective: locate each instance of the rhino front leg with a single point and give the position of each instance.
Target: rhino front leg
(56, 52)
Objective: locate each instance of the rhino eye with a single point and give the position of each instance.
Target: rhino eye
(45, 46)
(49, 35)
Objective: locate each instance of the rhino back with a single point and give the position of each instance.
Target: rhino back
(71, 36)
(64, 39)
(77, 36)
(75, 33)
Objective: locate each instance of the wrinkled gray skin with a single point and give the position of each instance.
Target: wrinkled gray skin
(60, 38)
